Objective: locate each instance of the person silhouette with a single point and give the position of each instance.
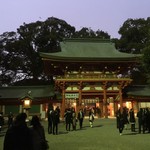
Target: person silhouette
(80, 118)
(18, 136)
(39, 141)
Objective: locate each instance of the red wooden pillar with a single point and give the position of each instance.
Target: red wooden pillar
(120, 98)
(105, 105)
(105, 109)
(63, 101)
(135, 106)
(115, 107)
(80, 97)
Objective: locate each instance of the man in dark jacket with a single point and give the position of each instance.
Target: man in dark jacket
(18, 136)
(68, 119)
(50, 121)
(80, 118)
(141, 120)
(55, 121)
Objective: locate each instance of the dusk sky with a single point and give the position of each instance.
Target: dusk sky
(106, 15)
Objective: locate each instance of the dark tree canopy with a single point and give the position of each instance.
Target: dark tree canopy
(135, 38)
(9, 49)
(146, 59)
(19, 50)
(146, 62)
(135, 35)
(89, 33)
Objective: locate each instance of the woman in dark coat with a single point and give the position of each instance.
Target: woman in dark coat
(125, 117)
(74, 119)
(120, 121)
(38, 134)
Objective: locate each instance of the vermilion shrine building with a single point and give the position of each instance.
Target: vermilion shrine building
(90, 73)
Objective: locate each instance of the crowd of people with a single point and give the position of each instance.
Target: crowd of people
(125, 117)
(31, 136)
(23, 135)
(71, 118)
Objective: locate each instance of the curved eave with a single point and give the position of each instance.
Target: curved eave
(49, 57)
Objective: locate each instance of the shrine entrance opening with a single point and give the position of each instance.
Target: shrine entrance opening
(102, 94)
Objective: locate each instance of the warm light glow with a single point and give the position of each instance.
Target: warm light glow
(27, 102)
(74, 104)
(129, 105)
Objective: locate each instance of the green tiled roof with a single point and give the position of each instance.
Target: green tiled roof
(21, 91)
(140, 91)
(86, 49)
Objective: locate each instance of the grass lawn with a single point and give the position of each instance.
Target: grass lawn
(103, 136)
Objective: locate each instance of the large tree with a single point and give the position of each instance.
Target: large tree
(146, 62)
(135, 34)
(9, 50)
(89, 33)
(19, 50)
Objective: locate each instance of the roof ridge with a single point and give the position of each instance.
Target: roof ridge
(87, 40)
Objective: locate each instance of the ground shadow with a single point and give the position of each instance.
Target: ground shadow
(97, 126)
(132, 133)
(63, 132)
(94, 126)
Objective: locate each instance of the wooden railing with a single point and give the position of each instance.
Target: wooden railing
(92, 76)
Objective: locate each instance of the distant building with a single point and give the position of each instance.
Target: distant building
(11, 99)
